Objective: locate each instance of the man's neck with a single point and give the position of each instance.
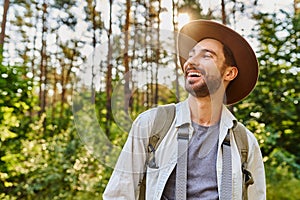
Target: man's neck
(204, 111)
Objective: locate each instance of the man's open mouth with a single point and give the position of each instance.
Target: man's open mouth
(194, 74)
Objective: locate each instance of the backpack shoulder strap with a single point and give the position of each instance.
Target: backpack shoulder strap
(241, 139)
(163, 120)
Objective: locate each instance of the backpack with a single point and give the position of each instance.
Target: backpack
(166, 114)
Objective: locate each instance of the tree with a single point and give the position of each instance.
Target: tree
(109, 72)
(224, 20)
(273, 107)
(126, 57)
(175, 28)
(3, 27)
(157, 52)
(43, 76)
(67, 56)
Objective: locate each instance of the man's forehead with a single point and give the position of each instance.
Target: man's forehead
(208, 44)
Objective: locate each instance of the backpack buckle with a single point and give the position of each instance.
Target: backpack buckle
(248, 179)
(226, 140)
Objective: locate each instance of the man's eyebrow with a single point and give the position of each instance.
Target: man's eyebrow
(192, 51)
(210, 51)
(204, 51)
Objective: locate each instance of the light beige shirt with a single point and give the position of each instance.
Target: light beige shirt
(128, 172)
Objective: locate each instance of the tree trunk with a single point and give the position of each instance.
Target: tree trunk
(223, 12)
(157, 54)
(150, 68)
(55, 90)
(54, 99)
(109, 73)
(34, 64)
(146, 68)
(66, 79)
(93, 18)
(126, 58)
(175, 28)
(43, 64)
(3, 26)
(296, 7)
(134, 101)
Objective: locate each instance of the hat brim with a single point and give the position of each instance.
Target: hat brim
(193, 32)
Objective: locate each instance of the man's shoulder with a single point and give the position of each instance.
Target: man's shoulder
(151, 112)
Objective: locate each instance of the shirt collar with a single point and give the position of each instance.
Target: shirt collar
(227, 118)
(183, 115)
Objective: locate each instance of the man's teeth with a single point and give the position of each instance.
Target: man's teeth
(194, 74)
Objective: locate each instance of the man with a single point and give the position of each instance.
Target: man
(219, 68)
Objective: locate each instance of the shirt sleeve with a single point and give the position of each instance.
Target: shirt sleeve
(256, 191)
(130, 167)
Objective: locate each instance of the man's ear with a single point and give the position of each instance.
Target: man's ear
(230, 73)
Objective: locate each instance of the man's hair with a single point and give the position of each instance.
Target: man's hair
(229, 58)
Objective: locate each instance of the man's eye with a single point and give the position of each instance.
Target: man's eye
(207, 55)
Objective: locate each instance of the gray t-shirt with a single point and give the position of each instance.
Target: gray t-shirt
(201, 174)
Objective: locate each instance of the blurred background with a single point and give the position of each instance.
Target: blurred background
(63, 61)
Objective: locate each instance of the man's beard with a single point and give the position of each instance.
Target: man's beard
(205, 88)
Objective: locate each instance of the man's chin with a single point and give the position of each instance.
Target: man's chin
(195, 80)
(197, 91)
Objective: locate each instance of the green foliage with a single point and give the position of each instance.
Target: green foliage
(274, 104)
(37, 161)
(272, 110)
(279, 176)
(55, 167)
(14, 103)
(14, 87)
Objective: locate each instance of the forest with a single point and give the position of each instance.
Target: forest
(75, 74)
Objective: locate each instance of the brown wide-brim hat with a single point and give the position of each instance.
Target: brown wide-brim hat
(194, 31)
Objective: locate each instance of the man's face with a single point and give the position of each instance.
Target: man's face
(204, 68)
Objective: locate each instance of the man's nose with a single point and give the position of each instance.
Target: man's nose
(190, 63)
